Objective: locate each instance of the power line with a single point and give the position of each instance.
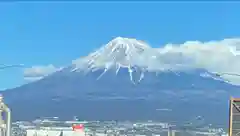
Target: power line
(230, 74)
(10, 66)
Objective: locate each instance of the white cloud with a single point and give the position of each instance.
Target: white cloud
(38, 72)
(215, 56)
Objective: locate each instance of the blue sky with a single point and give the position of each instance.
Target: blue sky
(56, 33)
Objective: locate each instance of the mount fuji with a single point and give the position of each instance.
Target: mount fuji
(126, 79)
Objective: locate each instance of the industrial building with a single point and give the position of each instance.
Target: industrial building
(234, 117)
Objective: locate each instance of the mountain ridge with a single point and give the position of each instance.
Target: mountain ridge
(134, 81)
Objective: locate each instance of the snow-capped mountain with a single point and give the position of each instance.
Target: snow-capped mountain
(133, 55)
(118, 53)
(128, 79)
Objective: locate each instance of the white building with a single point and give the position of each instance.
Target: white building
(56, 131)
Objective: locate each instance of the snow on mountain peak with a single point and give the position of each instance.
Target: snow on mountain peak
(120, 52)
(127, 43)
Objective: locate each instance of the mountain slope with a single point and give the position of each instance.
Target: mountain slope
(125, 79)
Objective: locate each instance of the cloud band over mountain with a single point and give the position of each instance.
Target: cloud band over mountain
(214, 56)
(38, 72)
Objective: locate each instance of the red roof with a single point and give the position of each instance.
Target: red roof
(78, 127)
